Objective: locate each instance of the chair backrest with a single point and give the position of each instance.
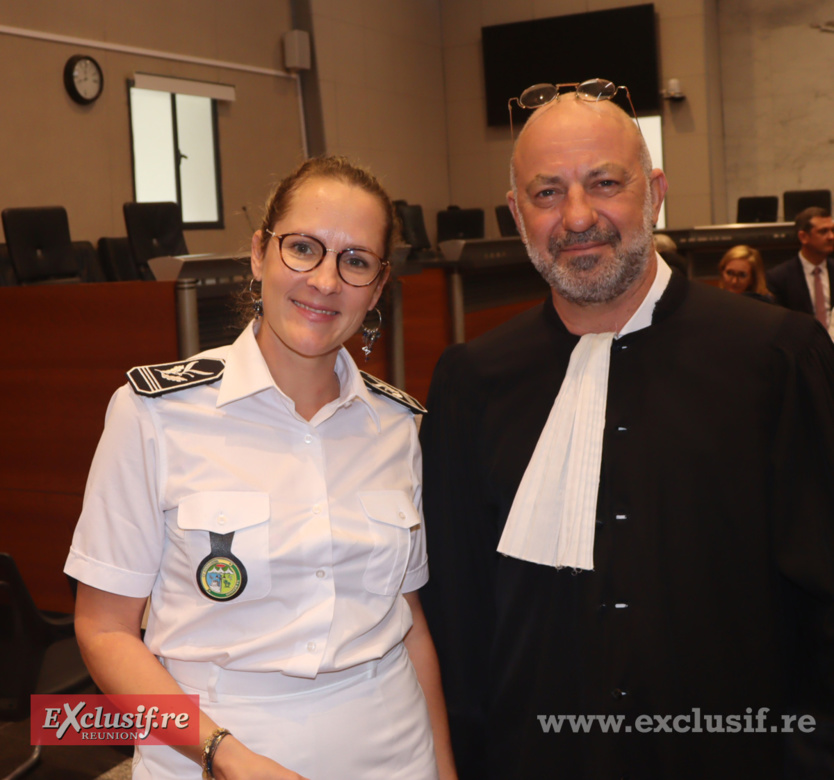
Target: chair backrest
(794, 201)
(38, 650)
(757, 208)
(87, 260)
(413, 225)
(7, 277)
(22, 643)
(506, 223)
(456, 222)
(117, 261)
(39, 244)
(154, 230)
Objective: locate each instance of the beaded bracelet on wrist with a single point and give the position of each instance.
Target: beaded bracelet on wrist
(210, 746)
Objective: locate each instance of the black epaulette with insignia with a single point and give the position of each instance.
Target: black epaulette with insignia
(170, 377)
(395, 394)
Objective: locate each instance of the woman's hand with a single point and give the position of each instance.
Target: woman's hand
(234, 761)
(107, 627)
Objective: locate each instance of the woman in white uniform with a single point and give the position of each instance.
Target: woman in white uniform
(267, 497)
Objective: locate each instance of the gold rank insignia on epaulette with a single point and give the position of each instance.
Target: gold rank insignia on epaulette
(170, 377)
(394, 393)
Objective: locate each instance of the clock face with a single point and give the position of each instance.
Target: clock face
(83, 79)
(87, 78)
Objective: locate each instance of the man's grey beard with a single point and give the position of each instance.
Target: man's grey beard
(570, 278)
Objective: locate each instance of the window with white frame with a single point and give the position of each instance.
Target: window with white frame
(176, 154)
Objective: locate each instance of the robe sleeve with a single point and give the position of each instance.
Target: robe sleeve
(803, 538)
(462, 554)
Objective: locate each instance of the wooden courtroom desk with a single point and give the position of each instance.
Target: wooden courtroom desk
(484, 273)
(64, 351)
(471, 287)
(703, 247)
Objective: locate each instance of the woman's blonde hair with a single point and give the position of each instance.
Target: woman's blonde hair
(758, 283)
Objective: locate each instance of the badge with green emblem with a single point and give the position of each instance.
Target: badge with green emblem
(221, 575)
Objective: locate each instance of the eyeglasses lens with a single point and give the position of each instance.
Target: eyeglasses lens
(357, 267)
(303, 253)
(596, 89)
(538, 95)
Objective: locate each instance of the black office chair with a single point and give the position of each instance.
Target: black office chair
(87, 260)
(757, 208)
(456, 222)
(414, 230)
(7, 277)
(506, 223)
(39, 653)
(794, 201)
(117, 261)
(39, 245)
(154, 230)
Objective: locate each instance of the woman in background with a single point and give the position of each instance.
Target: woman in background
(267, 498)
(742, 271)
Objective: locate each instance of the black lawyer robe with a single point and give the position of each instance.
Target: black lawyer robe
(713, 587)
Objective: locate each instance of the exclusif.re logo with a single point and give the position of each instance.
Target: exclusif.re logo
(130, 719)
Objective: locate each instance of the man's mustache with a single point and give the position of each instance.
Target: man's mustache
(592, 235)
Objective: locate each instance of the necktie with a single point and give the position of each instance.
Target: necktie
(819, 298)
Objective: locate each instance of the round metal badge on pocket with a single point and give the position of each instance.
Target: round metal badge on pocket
(221, 575)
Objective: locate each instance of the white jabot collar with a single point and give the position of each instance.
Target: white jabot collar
(553, 517)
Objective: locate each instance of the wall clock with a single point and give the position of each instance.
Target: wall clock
(83, 79)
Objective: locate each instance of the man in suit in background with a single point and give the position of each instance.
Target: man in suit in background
(803, 283)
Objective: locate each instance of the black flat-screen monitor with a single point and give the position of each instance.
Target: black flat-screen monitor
(619, 44)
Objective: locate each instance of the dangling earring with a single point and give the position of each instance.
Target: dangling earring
(371, 334)
(257, 303)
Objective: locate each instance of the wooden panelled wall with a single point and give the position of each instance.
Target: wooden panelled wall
(428, 326)
(65, 349)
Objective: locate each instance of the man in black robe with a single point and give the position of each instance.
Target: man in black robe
(700, 641)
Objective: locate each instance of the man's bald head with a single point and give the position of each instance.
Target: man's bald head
(604, 108)
(585, 197)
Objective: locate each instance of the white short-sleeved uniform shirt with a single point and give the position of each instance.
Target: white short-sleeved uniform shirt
(326, 517)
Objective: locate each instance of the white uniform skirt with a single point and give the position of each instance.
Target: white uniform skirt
(368, 723)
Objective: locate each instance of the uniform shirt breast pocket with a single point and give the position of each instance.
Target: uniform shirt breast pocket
(246, 514)
(391, 516)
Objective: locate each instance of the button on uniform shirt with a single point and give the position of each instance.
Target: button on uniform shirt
(326, 516)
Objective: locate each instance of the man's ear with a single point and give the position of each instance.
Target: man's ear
(658, 186)
(511, 201)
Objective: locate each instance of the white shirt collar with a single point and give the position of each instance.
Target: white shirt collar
(247, 374)
(642, 318)
(808, 267)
